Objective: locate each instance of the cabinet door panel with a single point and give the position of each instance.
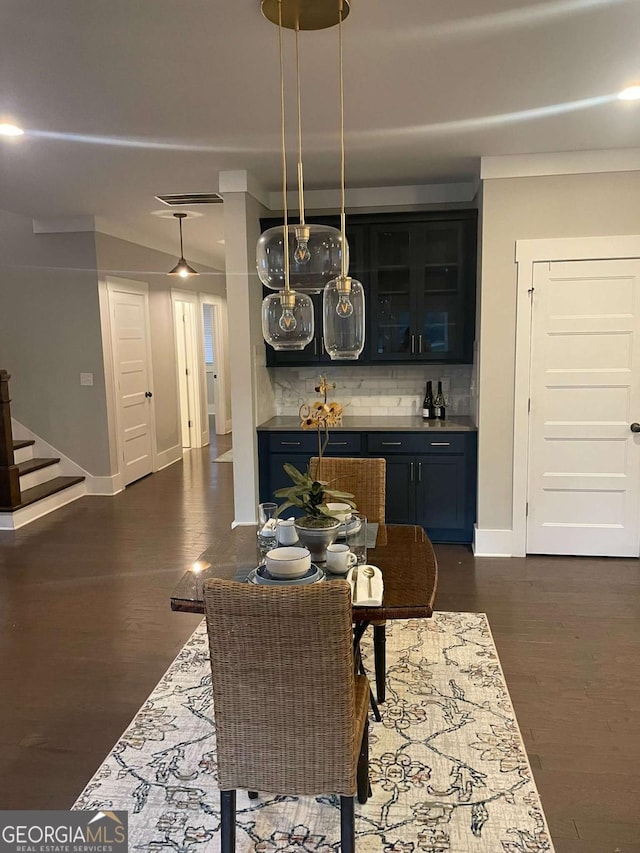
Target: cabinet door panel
(441, 494)
(400, 505)
(278, 479)
(391, 293)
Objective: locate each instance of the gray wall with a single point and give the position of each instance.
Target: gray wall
(120, 258)
(528, 208)
(49, 334)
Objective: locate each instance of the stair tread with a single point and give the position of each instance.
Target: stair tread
(35, 464)
(36, 493)
(23, 442)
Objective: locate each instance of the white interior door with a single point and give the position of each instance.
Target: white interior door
(132, 369)
(186, 354)
(584, 460)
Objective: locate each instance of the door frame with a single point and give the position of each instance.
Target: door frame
(196, 346)
(114, 421)
(528, 253)
(219, 322)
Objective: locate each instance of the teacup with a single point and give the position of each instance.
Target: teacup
(288, 563)
(340, 559)
(340, 511)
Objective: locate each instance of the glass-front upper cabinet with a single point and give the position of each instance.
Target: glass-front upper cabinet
(423, 289)
(391, 292)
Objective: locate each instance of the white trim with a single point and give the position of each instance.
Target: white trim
(167, 457)
(235, 524)
(63, 224)
(560, 163)
(528, 253)
(369, 197)
(492, 543)
(95, 484)
(17, 519)
(228, 426)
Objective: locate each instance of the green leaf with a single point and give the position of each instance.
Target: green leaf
(297, 476)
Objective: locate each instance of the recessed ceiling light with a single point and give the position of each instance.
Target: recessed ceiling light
(10, 130)
(631, 93)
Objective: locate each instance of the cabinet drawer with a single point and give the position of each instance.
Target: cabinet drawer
(399, 442)
(307, 442)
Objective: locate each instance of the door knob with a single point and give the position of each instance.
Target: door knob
(635, 427)
(149, 394)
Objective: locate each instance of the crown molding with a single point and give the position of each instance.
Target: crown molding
(371, 197)
(560, 163)
(63, 224)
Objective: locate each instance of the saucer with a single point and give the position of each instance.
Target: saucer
(261, 575)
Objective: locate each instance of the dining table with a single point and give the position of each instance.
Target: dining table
(403, 553)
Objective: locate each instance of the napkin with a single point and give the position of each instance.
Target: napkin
(361, 597)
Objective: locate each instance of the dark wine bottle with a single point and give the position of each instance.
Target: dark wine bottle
(427, 405)
(439, 403)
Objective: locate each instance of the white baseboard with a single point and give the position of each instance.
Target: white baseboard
(168, 457)
(235, 524)
(17, 519)
(94, 484)
(492, 543)
(227, 427)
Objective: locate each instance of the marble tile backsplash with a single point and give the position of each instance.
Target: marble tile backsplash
(373, 390)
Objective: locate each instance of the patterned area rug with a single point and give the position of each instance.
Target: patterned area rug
(449, 771)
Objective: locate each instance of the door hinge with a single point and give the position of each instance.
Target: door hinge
(531, 291)
(190, 423)
(529, 404)
(527, 509)
(186, 372)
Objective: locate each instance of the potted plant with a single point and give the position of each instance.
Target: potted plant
(319, 526)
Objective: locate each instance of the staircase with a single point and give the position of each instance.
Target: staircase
(30, 487)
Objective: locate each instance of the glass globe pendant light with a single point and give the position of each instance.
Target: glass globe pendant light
(287, 316)
(343, 297)
(315, 252)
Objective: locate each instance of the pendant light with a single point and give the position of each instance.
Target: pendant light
(287, 316)
(343, 298)
(315, 252)
(182, 268)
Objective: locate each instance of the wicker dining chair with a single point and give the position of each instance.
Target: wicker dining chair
(290, 711)
(366, 479)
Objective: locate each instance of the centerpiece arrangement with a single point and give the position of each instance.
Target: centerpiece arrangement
(319, 525)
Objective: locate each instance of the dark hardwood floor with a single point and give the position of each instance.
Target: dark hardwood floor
(86, 632)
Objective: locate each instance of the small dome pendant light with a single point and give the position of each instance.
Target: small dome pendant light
(343, 298)
(287, 316)
(182, 268)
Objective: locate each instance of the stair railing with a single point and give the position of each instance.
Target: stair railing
(9, 473)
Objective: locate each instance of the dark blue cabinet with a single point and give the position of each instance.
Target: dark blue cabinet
(431, 478)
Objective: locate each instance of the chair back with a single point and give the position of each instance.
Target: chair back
(364, 478)
(283, 681)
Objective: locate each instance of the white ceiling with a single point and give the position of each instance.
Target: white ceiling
(122, 100)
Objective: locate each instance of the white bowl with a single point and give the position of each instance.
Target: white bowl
(288, 562)
(341, 511)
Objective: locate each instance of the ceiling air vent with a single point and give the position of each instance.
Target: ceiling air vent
(179, 199)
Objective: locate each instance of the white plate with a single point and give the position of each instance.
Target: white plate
(315, 575)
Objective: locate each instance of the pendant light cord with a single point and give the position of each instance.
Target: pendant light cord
(284, 153)
(181, 249)
(300, 172)
(343, 221)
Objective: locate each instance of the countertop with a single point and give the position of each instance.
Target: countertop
(375, 423)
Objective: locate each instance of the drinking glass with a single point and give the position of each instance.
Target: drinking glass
(267, 530)
(356, 536)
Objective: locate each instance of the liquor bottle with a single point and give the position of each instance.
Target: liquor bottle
(427, 404)
(439, 403)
